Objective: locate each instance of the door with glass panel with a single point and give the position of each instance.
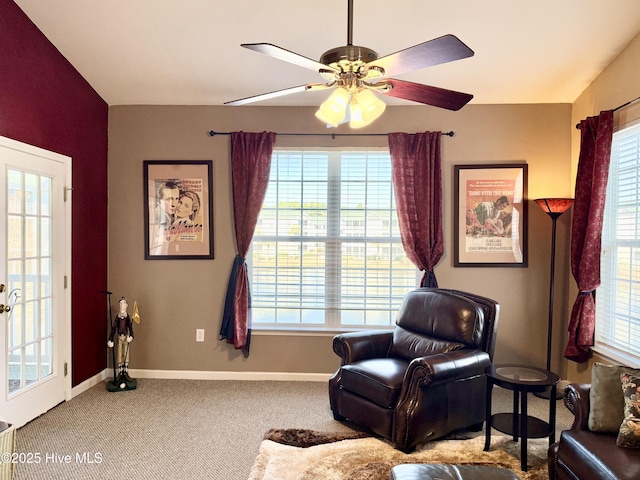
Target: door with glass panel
(33, 301)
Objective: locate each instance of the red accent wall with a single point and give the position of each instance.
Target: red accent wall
(45, 102)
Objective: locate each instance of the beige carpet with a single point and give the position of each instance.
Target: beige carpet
(372, 459)
(189, 429)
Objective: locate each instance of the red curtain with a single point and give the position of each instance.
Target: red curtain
(586, 229)
(250, 167)
(417, 180)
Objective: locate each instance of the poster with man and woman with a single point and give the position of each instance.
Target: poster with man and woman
(178, 212)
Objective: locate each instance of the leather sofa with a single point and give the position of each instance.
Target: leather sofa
(583, 454)
(425, 378)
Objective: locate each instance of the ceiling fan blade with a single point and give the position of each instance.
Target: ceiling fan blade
(288, 56)
(434, 52)
(280, 93)
(416, 92)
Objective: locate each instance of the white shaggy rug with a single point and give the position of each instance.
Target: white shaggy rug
(372, 459)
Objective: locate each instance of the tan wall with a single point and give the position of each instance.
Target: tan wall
(615, 86)
(176, 297)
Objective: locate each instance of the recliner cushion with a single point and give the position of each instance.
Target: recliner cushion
(378, 379)
(429, 314)
(409, 345)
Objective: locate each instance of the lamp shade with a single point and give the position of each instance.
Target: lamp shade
(365, 108)
(554, 205)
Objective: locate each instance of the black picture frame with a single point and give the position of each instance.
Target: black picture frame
(169, 233)
(487, 231)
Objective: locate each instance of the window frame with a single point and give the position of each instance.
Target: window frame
(332, 322)
(611, 243)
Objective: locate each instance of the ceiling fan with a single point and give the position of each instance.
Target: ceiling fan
(355, 73)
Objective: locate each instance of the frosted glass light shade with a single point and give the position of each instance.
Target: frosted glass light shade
(333, 110)
(365, 108)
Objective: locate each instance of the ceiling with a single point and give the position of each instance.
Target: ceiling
(187, 52)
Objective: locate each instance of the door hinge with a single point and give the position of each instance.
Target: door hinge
(66, 191)
(65, 281)
(66, 369)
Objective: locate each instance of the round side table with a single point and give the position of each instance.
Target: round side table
(522, 380)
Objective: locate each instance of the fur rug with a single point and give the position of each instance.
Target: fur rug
(290, 454)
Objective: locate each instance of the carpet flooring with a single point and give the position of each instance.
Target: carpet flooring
(187, 429)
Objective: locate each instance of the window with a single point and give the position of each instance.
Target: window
(618, 298)
(327, 254)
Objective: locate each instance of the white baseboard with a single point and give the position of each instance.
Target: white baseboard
(90, 382)
(107, 373)
(226, 375)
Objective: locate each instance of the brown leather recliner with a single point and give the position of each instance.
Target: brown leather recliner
(425, 378)
(581, 453)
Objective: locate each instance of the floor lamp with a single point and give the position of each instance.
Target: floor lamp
(554, 207)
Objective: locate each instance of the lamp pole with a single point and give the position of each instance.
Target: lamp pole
(554, 219)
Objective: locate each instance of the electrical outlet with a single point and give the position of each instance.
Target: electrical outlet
(199, 334)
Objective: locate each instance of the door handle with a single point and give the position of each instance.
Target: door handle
(4, 308)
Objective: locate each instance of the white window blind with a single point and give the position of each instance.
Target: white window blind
(618, 297)
(326, 253)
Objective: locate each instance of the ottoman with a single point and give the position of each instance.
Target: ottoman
(424, 471)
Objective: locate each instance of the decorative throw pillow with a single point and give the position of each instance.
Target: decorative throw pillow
(629, 434)
(606, 398)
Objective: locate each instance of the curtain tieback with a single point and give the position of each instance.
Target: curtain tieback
(585, 292)
(429, 279)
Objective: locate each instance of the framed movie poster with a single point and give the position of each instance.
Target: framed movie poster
(490, 215)
(178, 209)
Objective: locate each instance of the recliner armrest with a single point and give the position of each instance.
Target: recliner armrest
(576, 399)
(354, 346)
(450, 366)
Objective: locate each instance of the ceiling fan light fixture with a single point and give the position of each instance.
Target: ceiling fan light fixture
(365, 108)
(333, 110)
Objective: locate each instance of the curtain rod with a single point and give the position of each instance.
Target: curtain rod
(630, 102)
(213, 133)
